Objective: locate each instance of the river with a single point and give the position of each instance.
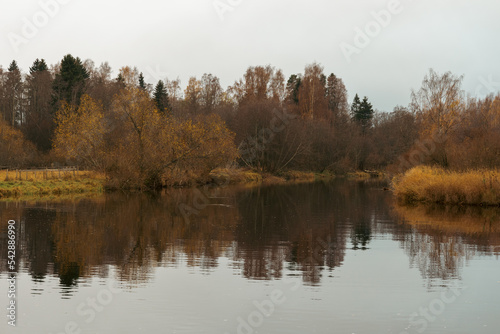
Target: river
(335, 257)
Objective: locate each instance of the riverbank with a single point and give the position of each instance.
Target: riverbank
(436, 185)
(30, 185)
(33, 184)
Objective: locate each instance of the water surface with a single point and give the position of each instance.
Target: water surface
(336, 257)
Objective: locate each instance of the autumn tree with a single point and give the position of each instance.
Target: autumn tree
(15, 151)
(259, 83)
(192, 96)
(79, 134)
(475, 142)
(200, 145)
(393, 134)
(128, 77)
(150, 148)
(438, 105)
(102, 87)
(174, 92)
(336, 95)
(211, 93)
(312, 100)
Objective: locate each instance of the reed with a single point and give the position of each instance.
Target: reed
(436, 185)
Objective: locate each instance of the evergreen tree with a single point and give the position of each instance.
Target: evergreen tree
(142, 84)
(13, 66)
(39, 66)
(160, 97)
(292, 88)
(69, 83)
(38, 119)
(366, 113)
(13, 95)
(355, 108)
(362, 112)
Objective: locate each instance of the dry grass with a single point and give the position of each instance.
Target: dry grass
(436, 185)
(29, 184)
(235, 176)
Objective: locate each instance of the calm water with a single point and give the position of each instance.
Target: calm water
(312, 258)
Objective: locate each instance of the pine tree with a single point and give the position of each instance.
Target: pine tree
(355, 108)
(13, 66)
(362, 112)
(292, 88)
(142, 84)
(39, 66)
(160, 97)
(69, 84)
(366, 113)
(13, 95)
(38, 118)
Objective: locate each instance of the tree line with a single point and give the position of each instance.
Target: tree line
(142, 134)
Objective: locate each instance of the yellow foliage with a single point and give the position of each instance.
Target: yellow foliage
(79, 135)
(153, 148)
(14, 149)
(431, 184)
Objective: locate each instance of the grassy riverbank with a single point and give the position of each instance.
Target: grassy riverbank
(32, 184)
(436, 185)
(54, 184)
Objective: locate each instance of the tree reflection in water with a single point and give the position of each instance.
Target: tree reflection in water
(262, 231)
(444, 238)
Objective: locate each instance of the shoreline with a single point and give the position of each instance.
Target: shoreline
(88, 183)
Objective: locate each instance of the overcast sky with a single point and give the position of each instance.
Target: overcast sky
(382, 56)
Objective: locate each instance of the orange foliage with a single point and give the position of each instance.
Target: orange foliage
(15, 151)
(79, 136)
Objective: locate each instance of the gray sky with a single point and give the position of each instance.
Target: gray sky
(182, 38)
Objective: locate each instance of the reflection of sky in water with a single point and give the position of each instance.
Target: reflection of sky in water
(339, 254)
